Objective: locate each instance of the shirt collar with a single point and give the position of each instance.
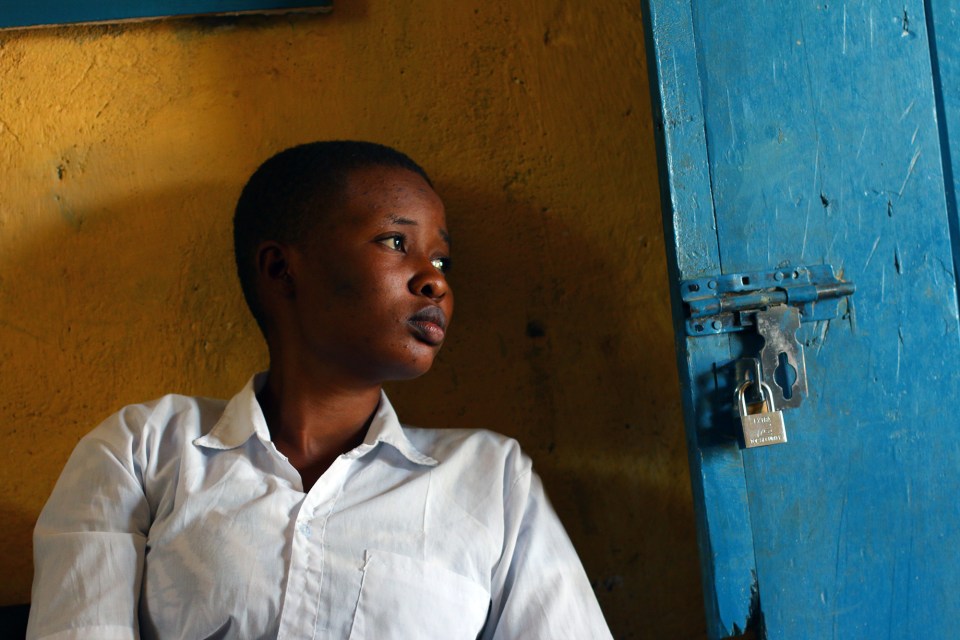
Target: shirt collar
(243, 418)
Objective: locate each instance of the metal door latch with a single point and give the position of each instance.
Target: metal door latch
(774, 302)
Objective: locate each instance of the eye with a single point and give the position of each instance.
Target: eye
(441, 264)
(396, 242)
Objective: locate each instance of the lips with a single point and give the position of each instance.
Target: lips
(429, 325)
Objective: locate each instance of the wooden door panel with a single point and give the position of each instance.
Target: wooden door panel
(821, 146)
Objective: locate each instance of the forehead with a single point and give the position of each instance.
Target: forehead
(380, 188)
(384, 196)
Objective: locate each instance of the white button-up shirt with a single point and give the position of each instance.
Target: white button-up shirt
(181, 519)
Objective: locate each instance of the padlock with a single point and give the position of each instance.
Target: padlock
(760, 429)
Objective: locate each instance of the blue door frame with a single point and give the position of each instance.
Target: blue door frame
(32, 13)
(807, 133)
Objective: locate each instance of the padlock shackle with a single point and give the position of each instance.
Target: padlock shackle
(766, 398)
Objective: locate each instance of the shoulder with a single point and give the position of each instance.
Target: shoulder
(473, 458)
(146, 427)
(481, 445)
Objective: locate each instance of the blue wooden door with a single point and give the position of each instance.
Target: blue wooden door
(819, 133)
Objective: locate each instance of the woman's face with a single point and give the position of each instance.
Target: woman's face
(372, 298)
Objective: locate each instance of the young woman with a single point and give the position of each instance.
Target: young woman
(302, 507)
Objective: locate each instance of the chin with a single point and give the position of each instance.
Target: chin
(412, 368)
(409, 372)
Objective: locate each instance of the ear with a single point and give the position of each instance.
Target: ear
(273, 268)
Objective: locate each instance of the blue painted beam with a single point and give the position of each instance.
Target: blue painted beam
(716, 466)
(20, 13)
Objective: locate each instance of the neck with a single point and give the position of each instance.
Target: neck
(315, 415)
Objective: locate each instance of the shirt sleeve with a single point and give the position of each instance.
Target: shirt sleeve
(89, 542)
(540, 588)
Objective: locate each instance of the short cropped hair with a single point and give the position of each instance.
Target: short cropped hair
(292, 191)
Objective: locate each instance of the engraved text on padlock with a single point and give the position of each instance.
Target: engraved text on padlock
(760, 429)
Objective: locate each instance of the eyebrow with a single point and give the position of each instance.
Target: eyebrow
(412, 223)
(395, 219)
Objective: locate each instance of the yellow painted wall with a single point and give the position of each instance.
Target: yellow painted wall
(123, 150)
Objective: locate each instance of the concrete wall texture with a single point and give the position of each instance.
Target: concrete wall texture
(124, 149)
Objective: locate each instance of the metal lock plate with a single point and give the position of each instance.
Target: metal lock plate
(760, 429)
(774, 302)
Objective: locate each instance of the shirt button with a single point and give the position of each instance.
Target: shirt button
(305, 529)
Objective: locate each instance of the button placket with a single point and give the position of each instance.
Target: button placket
(306, 574)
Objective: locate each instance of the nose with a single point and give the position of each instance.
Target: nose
(430, 283)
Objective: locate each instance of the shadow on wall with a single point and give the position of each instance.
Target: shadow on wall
(552, 344)
(138, 298)
(16, 559)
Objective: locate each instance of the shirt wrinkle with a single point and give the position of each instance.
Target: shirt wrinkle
(378, 548)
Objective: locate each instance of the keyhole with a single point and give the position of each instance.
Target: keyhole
(785, 376)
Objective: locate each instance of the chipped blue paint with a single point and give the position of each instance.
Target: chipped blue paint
(716, 467)
(20, 13)
(807, 133)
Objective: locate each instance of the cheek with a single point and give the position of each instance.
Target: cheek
(346, 291)
(343, 288)
(354, 291)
